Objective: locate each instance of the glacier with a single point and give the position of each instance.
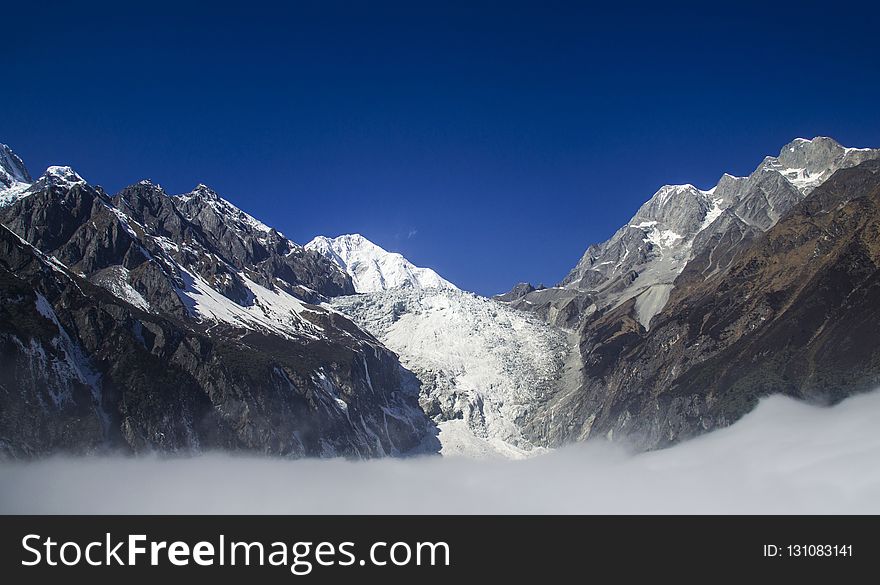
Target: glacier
(483, 367)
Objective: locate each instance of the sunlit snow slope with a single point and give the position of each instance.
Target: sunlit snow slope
(373, 268)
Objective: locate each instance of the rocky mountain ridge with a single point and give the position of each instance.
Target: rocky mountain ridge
(788, 310)
(680, 222)
(145, 321)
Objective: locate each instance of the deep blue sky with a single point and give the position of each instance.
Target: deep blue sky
(492, 141)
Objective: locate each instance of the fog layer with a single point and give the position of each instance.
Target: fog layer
(785, 457)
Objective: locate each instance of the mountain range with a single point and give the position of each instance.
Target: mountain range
(706, 301)
(680, 222)
(146, 321)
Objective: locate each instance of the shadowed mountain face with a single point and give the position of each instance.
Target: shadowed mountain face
(149, 322)
(795, 310)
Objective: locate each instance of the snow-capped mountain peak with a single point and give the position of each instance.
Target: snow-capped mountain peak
(62, 176)
(205, 192)
(60, 179)
(807, 162)
(13, 188)
(644, 257)
(372, 268)
(12, 169)
(14, 177)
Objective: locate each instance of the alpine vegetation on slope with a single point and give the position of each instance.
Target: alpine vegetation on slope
(372, 268)
(680, 222)
(484, 368)
(145, 321)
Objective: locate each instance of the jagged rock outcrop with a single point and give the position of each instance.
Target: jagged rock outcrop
(267, 255)
(517, 292)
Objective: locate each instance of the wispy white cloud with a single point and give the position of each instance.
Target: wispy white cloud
(785, 457)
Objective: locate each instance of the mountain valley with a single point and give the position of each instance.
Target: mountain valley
(146, 321)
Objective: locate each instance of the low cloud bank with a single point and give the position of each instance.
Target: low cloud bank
(785, 457)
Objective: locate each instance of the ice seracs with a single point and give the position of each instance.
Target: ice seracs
(373, 268)
(483, 367)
